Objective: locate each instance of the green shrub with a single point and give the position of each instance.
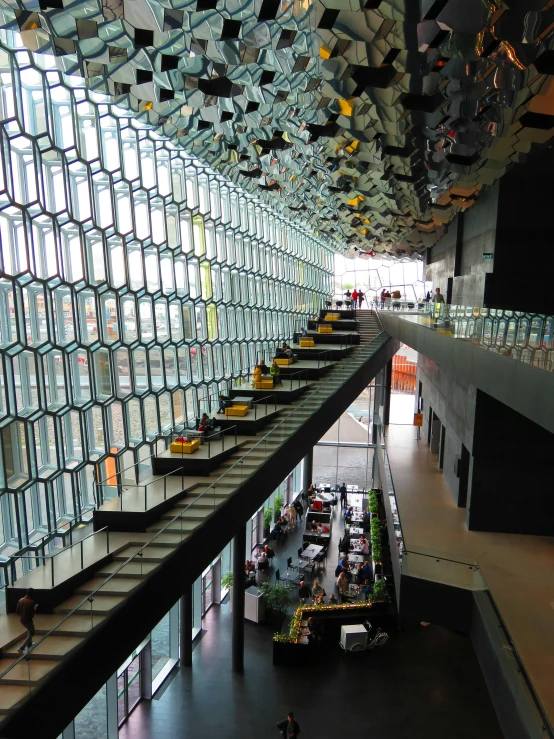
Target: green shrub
(380, 592)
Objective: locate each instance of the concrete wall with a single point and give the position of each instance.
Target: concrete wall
(441, 259)
(453, 401)
(478, 237)
(459, 254)
(511, 480)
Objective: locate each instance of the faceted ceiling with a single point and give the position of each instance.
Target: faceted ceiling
(375, 122)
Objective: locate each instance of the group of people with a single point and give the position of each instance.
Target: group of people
(356, 296)
(285, 352)
(274, 370)
(316, 592)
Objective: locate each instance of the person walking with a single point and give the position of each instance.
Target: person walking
(289, 727)
(25, 609)
(354, 298)
(383, 298)
(342, 491)
(361, 296)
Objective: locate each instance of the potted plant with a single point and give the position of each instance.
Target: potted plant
(276, 599)
(373, 502)
(278, 503)
(380, 596)
(268, 516)
(227, 582)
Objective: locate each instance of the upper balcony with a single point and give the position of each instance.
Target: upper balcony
(507, 354)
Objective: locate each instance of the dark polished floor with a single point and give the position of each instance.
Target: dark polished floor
(424, 684)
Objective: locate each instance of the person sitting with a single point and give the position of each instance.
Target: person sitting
(319, 601)
(275, 372)
(367, 589)
(311, 491)
(224, 402)
(263, 561)
(342, 584)
(249, 567)
(288, 353)
(304, 592)
(359, 575)
(263, 367)
(366, 571)
(203, 425)
(348, 514)
(268, 551)
(317, 590)
(366, 521)
(333, 600)
(303, 332)
(364, 545)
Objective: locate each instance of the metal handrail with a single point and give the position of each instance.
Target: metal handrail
(52, 555)
(140, 553)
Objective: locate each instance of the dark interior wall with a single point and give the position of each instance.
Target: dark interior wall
(524, 259)
(459, 254)
(453, 401)
(441, 259)
(478, 235)
(511, 489)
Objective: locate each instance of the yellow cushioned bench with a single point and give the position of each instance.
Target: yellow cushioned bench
(184, 447)
(236, 410)
(332, 317)
(265, 384)
(324, 329)
(283, 362)
(307, 343)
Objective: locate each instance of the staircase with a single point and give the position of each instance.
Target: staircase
(96, 600)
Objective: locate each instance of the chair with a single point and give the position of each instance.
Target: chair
(309, 567)
(329, 304)
(339, 303)
(290, 565)
(278, 577)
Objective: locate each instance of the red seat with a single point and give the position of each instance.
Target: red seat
(317, 505)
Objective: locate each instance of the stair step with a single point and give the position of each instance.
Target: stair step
(11, 696)
(53, 647)
(100, 604)
(133, 569)
(31, 670)
(150, 554)
(115, 586)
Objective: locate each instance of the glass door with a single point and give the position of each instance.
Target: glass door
(207, 589)
(129, 691)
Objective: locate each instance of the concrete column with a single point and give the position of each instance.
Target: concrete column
(239, 584)
(307, 470)
(185, 625)
(386, 390)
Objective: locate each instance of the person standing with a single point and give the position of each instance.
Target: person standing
(438, 302)
(26, 609)
(342, 491)
(438, 297)
(361, 296)
(383, 298)
(354, 297)
(289, 727)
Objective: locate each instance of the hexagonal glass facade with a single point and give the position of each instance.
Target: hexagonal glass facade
(135, 284)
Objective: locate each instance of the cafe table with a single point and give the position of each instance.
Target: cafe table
(312, 551)
(291, 579)
(356, 558)
(356, 530)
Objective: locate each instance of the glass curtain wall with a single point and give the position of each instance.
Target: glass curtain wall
(371, 276)
(135, 283)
